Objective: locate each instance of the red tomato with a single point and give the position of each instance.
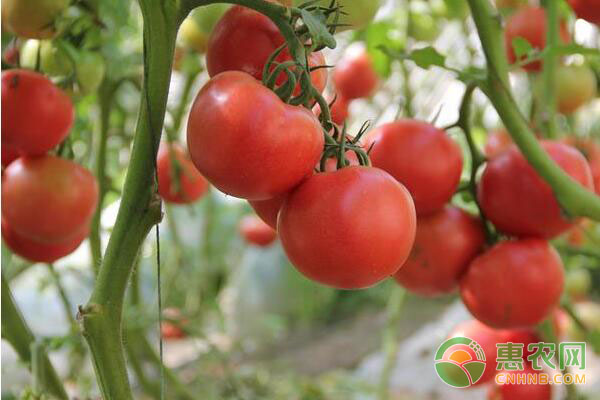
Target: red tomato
(591, 150)
(515, 391)
(354, 76)
(519, 202)
(36, 114)
(48, 199)
(445, 244)
(192, 184)
(268, 210)
(487, 338)
(35, 251)
(421, 157)
(256, 231)
(8, 155)
(587, 9)
(171, 331)
(243, 40)
(497, 142)
(525, 336)
(529, 23)
(11, 55)
(348, 229)
(514, 284)
(247, 142)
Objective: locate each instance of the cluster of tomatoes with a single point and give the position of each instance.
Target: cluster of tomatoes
(47, 201)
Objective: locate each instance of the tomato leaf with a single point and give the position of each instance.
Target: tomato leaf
(315, 22)
(427, 57)
(521, 47)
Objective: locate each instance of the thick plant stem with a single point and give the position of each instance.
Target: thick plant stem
(549, 72)
(18, 334)
(574, 198)
(139, 209)
(105, 96)
(390, 340)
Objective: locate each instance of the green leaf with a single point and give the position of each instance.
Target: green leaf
(521, 47)
(318, 31)
(574, 48)
(427, 57)
(382, 33)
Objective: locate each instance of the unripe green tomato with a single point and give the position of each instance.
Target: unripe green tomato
(31, 18)
(89, 71)
(575, 86)
(52, 60)
(358, 12)
(423, 27)
(195, 30)
(578, 283)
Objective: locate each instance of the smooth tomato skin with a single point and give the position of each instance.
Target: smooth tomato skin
(497, 142)
(575, 86)
(244, 39)
(524, 336)
(421, 157)
(348, 229)
(591, 150)
(37, 115)
(587, 9)
(8, 155)
(192, 185)
(520, 392)
(445, 243)
(519, 202)
(255, 231)
(529, 23)
(268, 210)
(247, 142)
(48, 199)
(487, 338)
(514, 284)
(38, 251)
(355, 76)
(31, 18)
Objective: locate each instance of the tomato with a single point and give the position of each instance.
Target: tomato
(423, 27)
(519, 202)
(255, 231)
(171, 326)
(190, 36)
(268, 210)
(497, 143)
(8, 155)
(192, 184)
(260, 38)
(514, 284)
(51, 59)
(514, 391)
(356, 13)
(355, 76)
(48, 199)
(350, 228)
(421, 157)
(89, 70)
(529, 23)
(36, 114)
(247, 142)
(575, 85)
(487, 338)
(524, 336)
(578, 283)
(445, 244)
(11, 55)
(31, 18)
(35, 251)
(587, 9)
(591, 150)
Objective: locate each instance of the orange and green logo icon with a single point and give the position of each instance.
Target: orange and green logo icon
(460, 362)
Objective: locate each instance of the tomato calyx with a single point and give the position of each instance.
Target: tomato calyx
(339, 143)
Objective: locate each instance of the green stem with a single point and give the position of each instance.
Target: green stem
(574, 198)
(179, 112)
(549, 72)
(105, 97)
(18, 334)
(390, 340)
(68, 307)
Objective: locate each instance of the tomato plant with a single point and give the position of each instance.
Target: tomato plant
(271, 146)
(52, 60)
(514, 284)
(575, 86)
(529, 23)
(445, 244)
(355, 76)
(48, 199)
(255, 231)
(268, 210)
(400, 148)
(261, 38)
(518, 201)
(356, 13)
(178, 182)
(348, 229)
(25, 94)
